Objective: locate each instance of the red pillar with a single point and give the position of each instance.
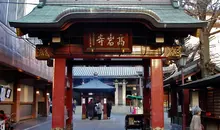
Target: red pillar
(16, 100)
(69, 98)
(58, 94)
(157, 95)
(105, 109)
(83, 108)
(173, 101)
(46, 102)
(146, 103)
(35, 104)
(146, 95)
(203, 99)
(185, 107)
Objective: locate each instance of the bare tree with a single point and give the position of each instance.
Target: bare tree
(205, 10)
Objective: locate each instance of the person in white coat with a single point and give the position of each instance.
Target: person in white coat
(99, 110)
(196, 119)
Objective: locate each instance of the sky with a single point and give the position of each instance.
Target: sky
(29, 7)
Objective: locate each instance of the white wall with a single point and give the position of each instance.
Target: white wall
(195, 98)
(26, 93)
(41, 97)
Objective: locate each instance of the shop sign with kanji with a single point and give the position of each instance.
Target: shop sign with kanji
(108, 41)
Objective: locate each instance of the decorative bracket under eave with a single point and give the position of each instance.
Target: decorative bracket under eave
(19, 32)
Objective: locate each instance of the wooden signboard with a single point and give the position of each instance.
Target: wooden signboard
(108, 41)
(43, 52)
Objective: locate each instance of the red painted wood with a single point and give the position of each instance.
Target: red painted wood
(69, 96)
(173, 102)
(157, 94)
(76, 51)
(186, 107)
(16, 100)
(146, 95)
(58, 93)
(84, 108)
(35, 104)
(46, 102)
(203, 99)
(105, 109)
(146, 103)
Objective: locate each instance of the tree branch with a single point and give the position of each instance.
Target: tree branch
(214, 19)
(213, 33)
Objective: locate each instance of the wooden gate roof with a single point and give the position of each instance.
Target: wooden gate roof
(55, 15)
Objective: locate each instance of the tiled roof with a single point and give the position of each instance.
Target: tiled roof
(193, 67)
(105, 71)
(119, 71)
(108, 1)
(94, 85)
(162, 13)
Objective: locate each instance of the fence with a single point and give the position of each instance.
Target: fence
(2, 125)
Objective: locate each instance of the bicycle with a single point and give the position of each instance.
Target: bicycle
(10, 122)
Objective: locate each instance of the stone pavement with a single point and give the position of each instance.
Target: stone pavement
(34, 123)
(115, 123)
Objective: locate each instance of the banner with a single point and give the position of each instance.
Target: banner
(5, 92)
(2, 93)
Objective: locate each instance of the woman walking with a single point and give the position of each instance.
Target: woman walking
(196, 119)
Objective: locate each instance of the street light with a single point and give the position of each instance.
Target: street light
(183, 59)
(182, 63)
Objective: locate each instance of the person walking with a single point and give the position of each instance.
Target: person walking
(90, 109)
(196, 119)
(74, 107)
(99, 110)
(109, 109)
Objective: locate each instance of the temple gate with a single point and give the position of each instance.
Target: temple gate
(76, 33)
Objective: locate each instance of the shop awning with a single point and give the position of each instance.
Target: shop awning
(94, 86)
(134, 97)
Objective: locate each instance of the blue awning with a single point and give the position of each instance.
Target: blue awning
(94, 86)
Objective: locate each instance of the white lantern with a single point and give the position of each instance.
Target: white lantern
(183, 60)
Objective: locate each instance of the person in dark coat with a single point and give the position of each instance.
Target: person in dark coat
(90, 109)
(109, 109)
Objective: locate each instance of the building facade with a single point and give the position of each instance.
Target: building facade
(28, 79)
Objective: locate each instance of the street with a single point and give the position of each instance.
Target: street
(115, 123)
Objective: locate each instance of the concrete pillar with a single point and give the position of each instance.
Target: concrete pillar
(157, 95)
(58, 100)
(116, 93)
(124, 93)
(16, 100)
